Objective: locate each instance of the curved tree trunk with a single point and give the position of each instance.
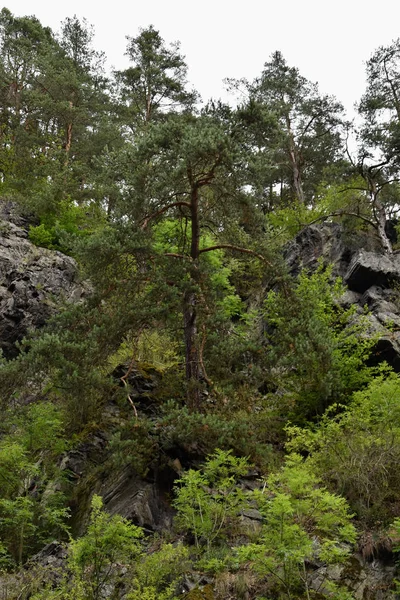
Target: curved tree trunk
(379, 214)
(381, 222)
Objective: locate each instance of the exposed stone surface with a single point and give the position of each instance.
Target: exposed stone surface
(124, 492)
(53, 554)
(373, 281)
(33, 281)
(137, 500)
(367, 580)
(91, 452)
(89, 468)
(318, 242)
(369, 269)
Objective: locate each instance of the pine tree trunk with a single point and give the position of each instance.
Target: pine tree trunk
(380, 215)
(296, 174)
(295, 164)
(68, 139)
(381, 222)
(192, 352)
(192, 358)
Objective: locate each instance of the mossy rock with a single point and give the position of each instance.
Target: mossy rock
(149, 371)
(204, 593)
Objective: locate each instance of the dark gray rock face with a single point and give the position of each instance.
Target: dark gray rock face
(95, 467)
(33, 281)
(141, 500)
(368, 269)
(315, 243)
(138, 500)
(373, 281)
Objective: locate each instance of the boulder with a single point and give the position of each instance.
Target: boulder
(33, 283)
(135, 499)
(125, 493)
(368, 269)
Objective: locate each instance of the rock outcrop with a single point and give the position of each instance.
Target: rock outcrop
(372, 279)
(95, 467)
(33, 282)
(140, 499)
(367, 580)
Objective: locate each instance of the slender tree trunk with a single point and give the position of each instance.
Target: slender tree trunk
(68, 138)
(381, 222)
(148, 104)
(192, 352)
(193, 370)
(393, 89)
(68, 141)
(380, 215)
(296, 174)
(295, 166)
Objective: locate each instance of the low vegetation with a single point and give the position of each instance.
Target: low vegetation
(243, 393)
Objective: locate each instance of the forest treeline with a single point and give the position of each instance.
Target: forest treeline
(178, 213)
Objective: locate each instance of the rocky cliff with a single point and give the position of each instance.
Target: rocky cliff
(33, 281)
(372, 280)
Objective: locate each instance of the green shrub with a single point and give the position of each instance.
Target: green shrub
(92, 558)
(31, 511)
(317, 352)
(40, 235)
(156, 575)
(110, 558)
(210, 501)
(56, 229)
(357, 450)
(303, 522)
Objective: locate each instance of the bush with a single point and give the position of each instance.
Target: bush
(109, 558)
(157, 575)
(356, 450)
(317, 353)
(303, 523)
(210, 501)
(31, 512)
(41, 236)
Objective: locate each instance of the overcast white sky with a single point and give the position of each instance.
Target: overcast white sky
(328, 41)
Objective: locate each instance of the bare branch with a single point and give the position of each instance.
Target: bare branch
(206, 178)
(176, 255)
(163, 210)
(353, 187)
(341, 213)
(236, 249)
(378, 166)
(347, 149)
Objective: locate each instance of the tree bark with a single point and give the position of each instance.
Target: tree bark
(68, 140)
(379, 213)
(381, 222)
(192, 357)
(192, 354)
(294, 160)
(296, 174)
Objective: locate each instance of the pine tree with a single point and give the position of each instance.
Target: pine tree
(293, 131)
